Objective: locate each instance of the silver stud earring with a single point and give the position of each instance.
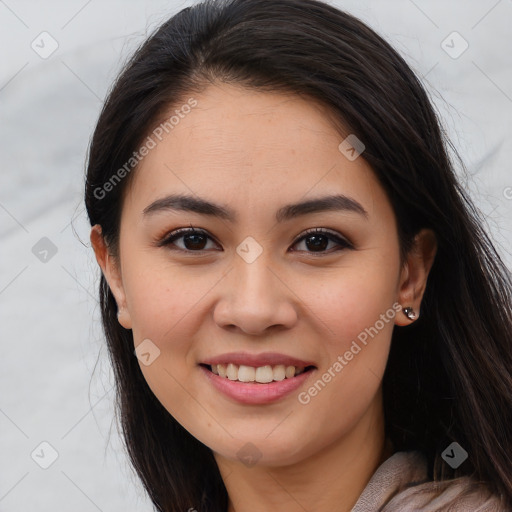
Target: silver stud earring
(409, 313)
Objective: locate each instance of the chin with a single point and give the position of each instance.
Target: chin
(261, 451)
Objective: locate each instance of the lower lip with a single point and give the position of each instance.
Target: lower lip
(255, 393)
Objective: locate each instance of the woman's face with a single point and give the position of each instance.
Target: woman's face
(254, 288)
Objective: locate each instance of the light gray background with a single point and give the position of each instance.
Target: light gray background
(52, 390)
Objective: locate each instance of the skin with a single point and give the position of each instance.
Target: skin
(255, 152)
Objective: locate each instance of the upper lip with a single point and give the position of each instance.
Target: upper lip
(257, 360)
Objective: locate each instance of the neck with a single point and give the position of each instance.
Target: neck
(331, 479)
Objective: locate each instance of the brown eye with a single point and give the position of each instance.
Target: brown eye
(317, 240)
(194, 240)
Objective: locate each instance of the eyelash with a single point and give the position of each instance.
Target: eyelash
(180, 233)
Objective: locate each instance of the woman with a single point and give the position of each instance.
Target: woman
(301, 307)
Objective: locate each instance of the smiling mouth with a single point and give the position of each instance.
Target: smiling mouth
(259, 375)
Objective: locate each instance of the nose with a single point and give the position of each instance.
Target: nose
(255, 299)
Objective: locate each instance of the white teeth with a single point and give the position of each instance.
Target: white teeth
(221, 368)
(262, 374)
(290, 372)
(279, 372)
(246, 373)
(232, 372)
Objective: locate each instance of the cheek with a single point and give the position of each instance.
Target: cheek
(352, 299)
(160, 296)
(356, 314)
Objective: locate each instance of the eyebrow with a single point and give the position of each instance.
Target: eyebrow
(187, 203)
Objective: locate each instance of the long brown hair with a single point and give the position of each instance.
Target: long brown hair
(449, 374)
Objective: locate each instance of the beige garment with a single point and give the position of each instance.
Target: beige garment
(401, 484)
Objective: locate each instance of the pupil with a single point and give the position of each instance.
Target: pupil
(320, 242)
(195, 241)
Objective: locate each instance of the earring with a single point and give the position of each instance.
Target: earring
(409, 313)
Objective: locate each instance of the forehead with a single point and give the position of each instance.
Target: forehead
(248, 146)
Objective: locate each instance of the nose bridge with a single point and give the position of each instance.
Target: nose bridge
(255, 298)
(253, 278)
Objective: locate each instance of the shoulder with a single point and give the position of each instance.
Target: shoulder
(457, 495)
(401, 484)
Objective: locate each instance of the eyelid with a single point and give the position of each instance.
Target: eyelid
(179, 232)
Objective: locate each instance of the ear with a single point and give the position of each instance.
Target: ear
(112, 274)
(413, 278)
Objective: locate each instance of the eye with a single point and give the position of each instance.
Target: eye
(195, 240)
(318, 240)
